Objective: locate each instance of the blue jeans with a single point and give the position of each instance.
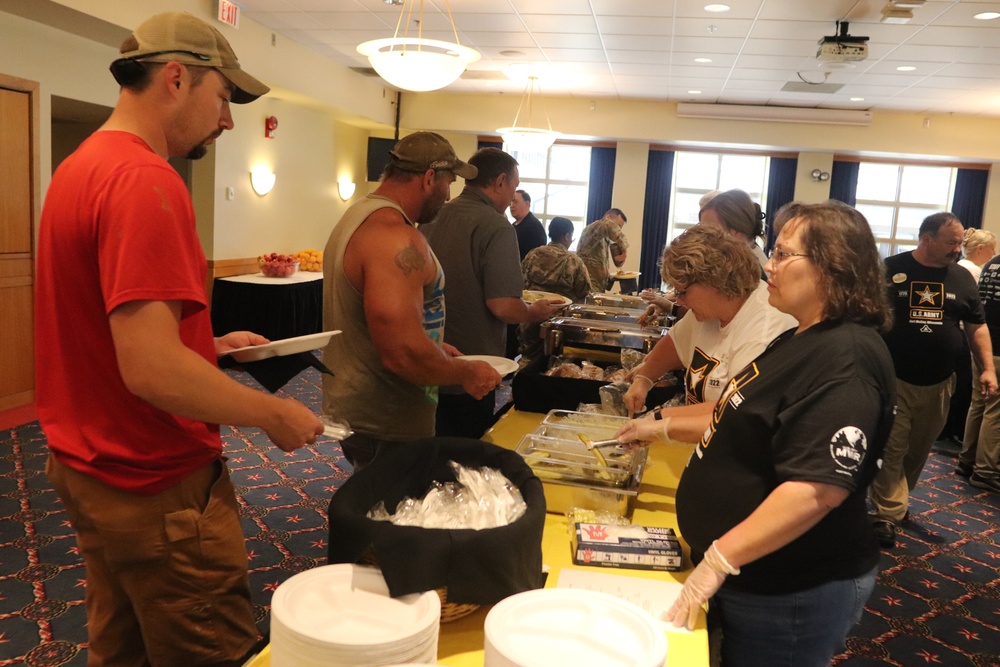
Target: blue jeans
(804, 629)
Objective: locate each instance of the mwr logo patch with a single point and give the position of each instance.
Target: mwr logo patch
(848, 447)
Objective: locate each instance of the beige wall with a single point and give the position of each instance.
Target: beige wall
(309, 152)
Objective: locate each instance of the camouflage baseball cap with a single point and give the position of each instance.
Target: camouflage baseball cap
(184, 38)
(421, 151)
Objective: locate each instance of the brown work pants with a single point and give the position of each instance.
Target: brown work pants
(166, 574)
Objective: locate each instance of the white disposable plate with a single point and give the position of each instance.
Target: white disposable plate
(552, 626)
(502, 365)
(283, 347)
(627, 274)
(531, 296)
(348, 607)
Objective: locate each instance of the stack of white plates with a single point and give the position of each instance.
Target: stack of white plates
(561, 626)
(342, 616)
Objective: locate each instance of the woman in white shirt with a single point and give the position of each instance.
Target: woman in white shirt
(728, 321)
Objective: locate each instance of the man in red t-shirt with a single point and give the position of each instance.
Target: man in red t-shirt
(129, 392)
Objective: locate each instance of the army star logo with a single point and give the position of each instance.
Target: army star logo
(927, 296)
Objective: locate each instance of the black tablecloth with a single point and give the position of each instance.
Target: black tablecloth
(279, 310)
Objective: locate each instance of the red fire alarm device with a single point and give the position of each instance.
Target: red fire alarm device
(270, 125)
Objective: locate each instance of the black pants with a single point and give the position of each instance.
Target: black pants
(461, 415)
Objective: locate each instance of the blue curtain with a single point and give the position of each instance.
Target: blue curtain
(655, 218)
(602, 181)
(970, 195)
(844, 182)
(780, 191)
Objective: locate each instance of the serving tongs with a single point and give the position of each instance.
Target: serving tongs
(597, 444)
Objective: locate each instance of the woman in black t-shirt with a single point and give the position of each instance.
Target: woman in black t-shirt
(775, 489)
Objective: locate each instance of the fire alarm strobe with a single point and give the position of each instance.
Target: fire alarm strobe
(270, 125)
(842, 47)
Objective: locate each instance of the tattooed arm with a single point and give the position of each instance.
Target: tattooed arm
(390, 262)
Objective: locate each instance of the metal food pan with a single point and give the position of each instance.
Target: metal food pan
(570, 461)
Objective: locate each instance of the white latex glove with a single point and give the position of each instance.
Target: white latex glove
(700, 586)
(644, 430)
(635, 397)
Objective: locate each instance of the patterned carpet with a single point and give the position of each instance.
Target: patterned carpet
(937, 600)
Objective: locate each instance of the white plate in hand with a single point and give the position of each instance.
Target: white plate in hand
(532, 296)
(283, 347)
(501, 365)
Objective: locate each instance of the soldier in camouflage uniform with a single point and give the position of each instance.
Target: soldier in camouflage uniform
(599, 239)
(551, 268)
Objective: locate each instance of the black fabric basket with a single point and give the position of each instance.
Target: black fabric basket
(475, 566)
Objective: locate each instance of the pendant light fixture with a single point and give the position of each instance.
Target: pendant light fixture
(415, 63)
(524, 137)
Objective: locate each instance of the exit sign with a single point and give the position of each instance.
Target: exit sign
(229, 13)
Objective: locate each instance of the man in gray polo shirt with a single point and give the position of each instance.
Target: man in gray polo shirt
(477, 248)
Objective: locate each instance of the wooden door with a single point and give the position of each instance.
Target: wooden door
(17, 379)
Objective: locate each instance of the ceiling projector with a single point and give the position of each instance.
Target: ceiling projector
(841, 48)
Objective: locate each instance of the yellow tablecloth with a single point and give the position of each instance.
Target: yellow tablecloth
(461, 642)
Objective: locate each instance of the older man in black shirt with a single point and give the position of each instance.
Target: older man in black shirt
(931, 296)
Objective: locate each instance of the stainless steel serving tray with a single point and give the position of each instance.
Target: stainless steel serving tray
(572, 475)
(561, 331)
(615, 300)
(590, 311)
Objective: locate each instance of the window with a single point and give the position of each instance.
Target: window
(696, 174)
(895, 198)
(558, 182)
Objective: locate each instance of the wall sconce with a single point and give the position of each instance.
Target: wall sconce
(262, 180)
(818, 175)
(345, 187)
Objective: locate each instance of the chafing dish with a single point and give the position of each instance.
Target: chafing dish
(561, 331)
(615, 300)
(590, 311)
(573, 476)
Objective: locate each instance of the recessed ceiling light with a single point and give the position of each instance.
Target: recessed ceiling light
(717, 8)
(703, 60)
(694, 92)
(857, 99)
(987, 16)
(905, 68)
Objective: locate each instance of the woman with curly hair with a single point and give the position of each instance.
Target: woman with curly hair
(772, 502)
(728, 320)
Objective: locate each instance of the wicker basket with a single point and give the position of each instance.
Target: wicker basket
(450, 611)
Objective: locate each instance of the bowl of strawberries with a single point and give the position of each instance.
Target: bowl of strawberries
(277, 265)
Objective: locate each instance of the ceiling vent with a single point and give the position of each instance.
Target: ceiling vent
(895, 15)
(806, 87)
(484, 75)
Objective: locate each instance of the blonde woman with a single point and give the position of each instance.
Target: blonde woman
(978, 246)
